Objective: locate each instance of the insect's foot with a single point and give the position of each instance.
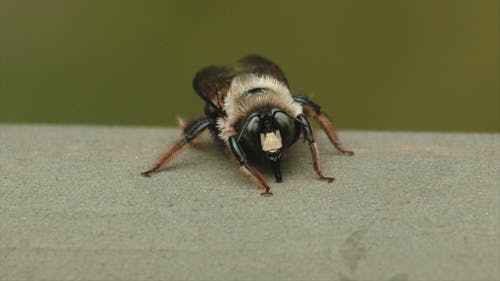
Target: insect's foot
(327, 179)
(267, 194)
(347, 152)
(146, 174)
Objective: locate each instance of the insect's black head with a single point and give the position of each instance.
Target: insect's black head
(269, 132)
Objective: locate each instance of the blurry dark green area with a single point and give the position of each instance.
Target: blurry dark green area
(376, 65)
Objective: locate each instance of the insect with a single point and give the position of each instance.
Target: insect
(249, 108)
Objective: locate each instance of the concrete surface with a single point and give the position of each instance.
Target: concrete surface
(407, 206)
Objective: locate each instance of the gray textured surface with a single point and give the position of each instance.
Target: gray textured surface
(407, 206)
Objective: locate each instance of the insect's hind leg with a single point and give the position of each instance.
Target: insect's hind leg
(312, 109)
(192, 131)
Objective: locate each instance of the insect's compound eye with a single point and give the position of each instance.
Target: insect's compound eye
(282, 120)
(286, 126)
(253, 127)
(251, 135)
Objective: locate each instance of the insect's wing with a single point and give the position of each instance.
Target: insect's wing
(261, 66)
(212, 83)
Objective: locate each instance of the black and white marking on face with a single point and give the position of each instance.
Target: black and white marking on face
(271, 141)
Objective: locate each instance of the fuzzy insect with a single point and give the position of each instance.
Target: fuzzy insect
(249, 107)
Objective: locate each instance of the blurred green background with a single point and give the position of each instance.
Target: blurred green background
(385, 64)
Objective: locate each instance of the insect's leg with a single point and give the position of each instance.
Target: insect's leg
(311, 108)
(307, 130)
(192, 131)
(247, 169)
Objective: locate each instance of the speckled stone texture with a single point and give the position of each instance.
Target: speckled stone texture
(407, 206)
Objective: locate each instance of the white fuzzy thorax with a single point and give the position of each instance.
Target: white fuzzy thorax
(237, 105)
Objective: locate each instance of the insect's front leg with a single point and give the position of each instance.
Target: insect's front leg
(192, 131)
(308, 135)
(247, 169)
